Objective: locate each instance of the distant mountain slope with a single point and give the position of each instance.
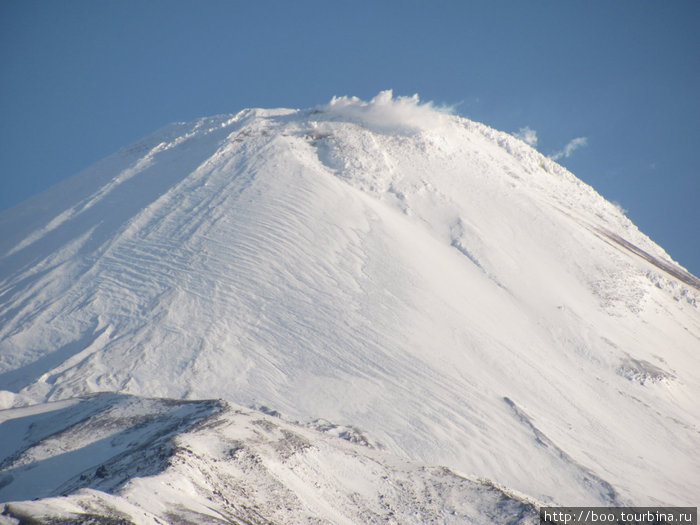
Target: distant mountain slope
(441, 286)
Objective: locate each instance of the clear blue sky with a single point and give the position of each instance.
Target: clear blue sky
(81, 78)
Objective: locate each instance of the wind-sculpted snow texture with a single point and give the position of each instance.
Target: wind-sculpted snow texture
(439, 285)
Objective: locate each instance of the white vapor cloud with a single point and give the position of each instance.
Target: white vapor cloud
(527, 135)
(619, 207)
(572, 146)
(387, 113)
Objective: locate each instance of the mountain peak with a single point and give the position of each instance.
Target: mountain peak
(387, 265)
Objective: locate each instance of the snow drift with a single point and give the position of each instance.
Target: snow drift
(442, 286)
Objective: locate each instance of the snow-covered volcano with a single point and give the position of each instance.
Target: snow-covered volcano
(442, 286)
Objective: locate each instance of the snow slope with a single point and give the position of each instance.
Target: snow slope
(462, 299)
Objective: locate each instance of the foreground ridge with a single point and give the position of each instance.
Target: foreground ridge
(233, 465)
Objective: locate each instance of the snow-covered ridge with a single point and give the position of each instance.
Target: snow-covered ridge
(225, 464)
(384, 265)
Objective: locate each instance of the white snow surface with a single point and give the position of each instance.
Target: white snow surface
(442, 286)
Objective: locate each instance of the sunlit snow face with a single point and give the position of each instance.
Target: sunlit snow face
(381, 263)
